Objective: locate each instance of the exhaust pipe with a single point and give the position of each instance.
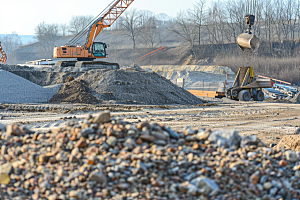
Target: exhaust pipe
(248, 41)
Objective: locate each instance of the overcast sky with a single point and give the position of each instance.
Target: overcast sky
(22, 16)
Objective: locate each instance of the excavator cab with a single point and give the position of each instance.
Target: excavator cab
(99, 49)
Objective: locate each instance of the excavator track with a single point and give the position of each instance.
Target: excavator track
(97, 65)
(87, 64)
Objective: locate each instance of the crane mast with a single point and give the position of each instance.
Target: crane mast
(91, 49)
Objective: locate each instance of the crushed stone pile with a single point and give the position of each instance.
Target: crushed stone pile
(76, 91)
(15, 89)
(126, 86)
(107, 158)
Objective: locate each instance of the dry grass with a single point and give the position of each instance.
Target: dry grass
(286, 69)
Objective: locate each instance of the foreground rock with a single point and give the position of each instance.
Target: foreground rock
(105, 158)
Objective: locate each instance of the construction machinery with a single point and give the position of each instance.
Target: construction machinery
(246, 85)
(3, 57)
(87, 53)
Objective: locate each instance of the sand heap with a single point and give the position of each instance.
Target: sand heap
(15, 89)
(291, 142)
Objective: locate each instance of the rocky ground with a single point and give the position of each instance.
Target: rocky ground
(182, 152)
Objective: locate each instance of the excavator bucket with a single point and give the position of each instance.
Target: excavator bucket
(248, 41)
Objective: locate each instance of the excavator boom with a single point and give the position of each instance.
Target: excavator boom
(113, 13)
(3, 57)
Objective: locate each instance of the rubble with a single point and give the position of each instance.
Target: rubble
(107, 158)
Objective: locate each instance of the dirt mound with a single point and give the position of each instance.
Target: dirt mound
(126, 86)
(76, 91)
(290, 142)
(69, 79)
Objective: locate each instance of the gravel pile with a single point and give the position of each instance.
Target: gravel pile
(115, 86)
(15, 89)
(135, 87)
(107, 158)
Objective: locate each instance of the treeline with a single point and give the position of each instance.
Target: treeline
(205, 23)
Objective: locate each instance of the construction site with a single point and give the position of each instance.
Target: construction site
(82, 125)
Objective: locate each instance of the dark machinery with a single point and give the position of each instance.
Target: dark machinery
(246, 85)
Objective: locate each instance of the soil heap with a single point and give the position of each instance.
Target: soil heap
(76, 91)
(107, 158)
(136, 87)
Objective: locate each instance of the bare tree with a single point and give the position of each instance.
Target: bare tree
(235, 15)
(185, 28)
(150, 35)
(78, 22)
(11, 42)
(47, 34)
(198, 16)
(131, 20)
(63, 28)
(163, 20)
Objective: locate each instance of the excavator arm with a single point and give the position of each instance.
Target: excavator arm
(3, 55)
(113, 13)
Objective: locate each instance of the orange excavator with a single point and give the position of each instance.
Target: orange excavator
(87, 53)
(3, 55)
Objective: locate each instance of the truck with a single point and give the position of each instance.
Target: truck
(246, 86)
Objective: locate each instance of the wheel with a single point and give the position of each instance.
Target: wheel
(244, 95)
(260, 96)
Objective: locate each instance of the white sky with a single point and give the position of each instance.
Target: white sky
(22, 16)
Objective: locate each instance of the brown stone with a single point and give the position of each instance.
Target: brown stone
(137, 150)
(283, 163)
(254, 179)
(147, 138)
(43, 158)
(60, 136)
(139, 141)
(195, 146)
(81, 143)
